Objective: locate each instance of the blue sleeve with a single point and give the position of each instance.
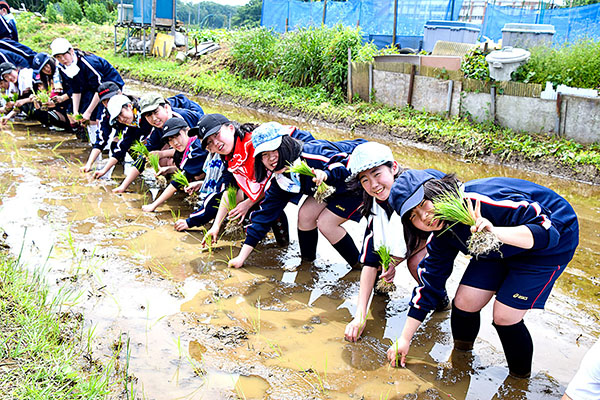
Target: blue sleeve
(5, 30)
(123, 144)
(302, 135)
(13, 26)
(181, 101)
(433, 271)
(268, 212)
(368, 256)
(154, 140)
(105, 130)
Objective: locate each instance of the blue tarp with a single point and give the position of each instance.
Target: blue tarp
(571, 24)
(374, 17)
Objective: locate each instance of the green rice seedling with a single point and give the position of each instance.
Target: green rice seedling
(139, 148)
(233, 229)
(180, 178)
(452, 206)
(43, 96)
(176, 215)
(322, 191)
(153, 161)
(386, 259)
(205, 239)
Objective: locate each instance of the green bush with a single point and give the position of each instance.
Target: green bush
(96, 12)
(71, 11)
(335, 57)
(51, 13)
(576, 64)
(253, 52)
(214, 35)
(474, 66)
(301, 55)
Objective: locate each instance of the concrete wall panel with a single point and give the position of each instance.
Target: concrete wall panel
(581, 119)
(391, 88)
(526, 114)
(431, 94)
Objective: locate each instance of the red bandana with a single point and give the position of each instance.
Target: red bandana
(241, 165)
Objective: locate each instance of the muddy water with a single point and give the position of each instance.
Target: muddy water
(273, 329)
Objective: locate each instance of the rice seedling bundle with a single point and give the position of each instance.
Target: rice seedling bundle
(233, 227)
(386, 258)
(139, 148)
(452, 206)
(43, 96)
(153, 160)
(180, 178)
(323, 190)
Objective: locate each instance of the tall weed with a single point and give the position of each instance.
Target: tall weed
(253, 52)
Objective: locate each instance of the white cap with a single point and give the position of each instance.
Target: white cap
(115, 106)
(366, 156)
(60, 46)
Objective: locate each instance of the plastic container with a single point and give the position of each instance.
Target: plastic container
(527, 35)
(504, 62)
(124, 13)
(449, 31)
(142, 12)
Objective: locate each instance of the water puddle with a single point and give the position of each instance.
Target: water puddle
(273, 329)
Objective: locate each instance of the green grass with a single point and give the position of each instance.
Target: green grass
(40, 343)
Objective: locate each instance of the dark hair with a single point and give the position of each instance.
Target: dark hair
(47, 79)
(288, 151)
(355, 186)
(431, 189)
(4, 5)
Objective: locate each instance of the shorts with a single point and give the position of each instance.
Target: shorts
(345, 205)
(517, 284)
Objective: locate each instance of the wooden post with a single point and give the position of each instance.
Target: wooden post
(370, 80)
(558, 104)
(449, 100)
(152, 25)
(395, 23)
(128, 37)
(411, 84)
(493, 103)
(174, 18)
(286, 25)
(324, 12)
(349, 75)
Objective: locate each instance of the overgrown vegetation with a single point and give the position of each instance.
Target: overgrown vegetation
(576, 65)
(42, 342)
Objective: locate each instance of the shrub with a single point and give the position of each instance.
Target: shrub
(301, 55)
(51, 13)
(576, 64)
(71, 11)
(96, 12)
(253, 52)
(335, 57)
(474, 66)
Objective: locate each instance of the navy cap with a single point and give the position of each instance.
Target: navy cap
(5, 68)
(407, 191)
(106, 90)
(39, 61)
(172, 127)
(208, 125)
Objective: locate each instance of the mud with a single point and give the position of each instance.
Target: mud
(273, 329)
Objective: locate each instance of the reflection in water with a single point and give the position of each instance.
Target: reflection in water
(275, 328)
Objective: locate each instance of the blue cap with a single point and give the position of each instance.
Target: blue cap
(267, 137)
(39, 61)
(407, 191)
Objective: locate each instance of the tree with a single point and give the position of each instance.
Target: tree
(248, 15)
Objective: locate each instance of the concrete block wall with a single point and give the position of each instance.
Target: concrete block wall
(579, 117)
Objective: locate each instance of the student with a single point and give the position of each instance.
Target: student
(585, 385)
(46, 77)
(156, 110)
(10, 20)
(14, 58)
(538, 232)
(105, 138)
(84, 72)
(189, 157)
(274, 152)
(373, 170)
(20, 81)
(18, 48)
(124, 115)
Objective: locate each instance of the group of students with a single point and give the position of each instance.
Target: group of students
(271, 165)
(59, 89)
(537, 229)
